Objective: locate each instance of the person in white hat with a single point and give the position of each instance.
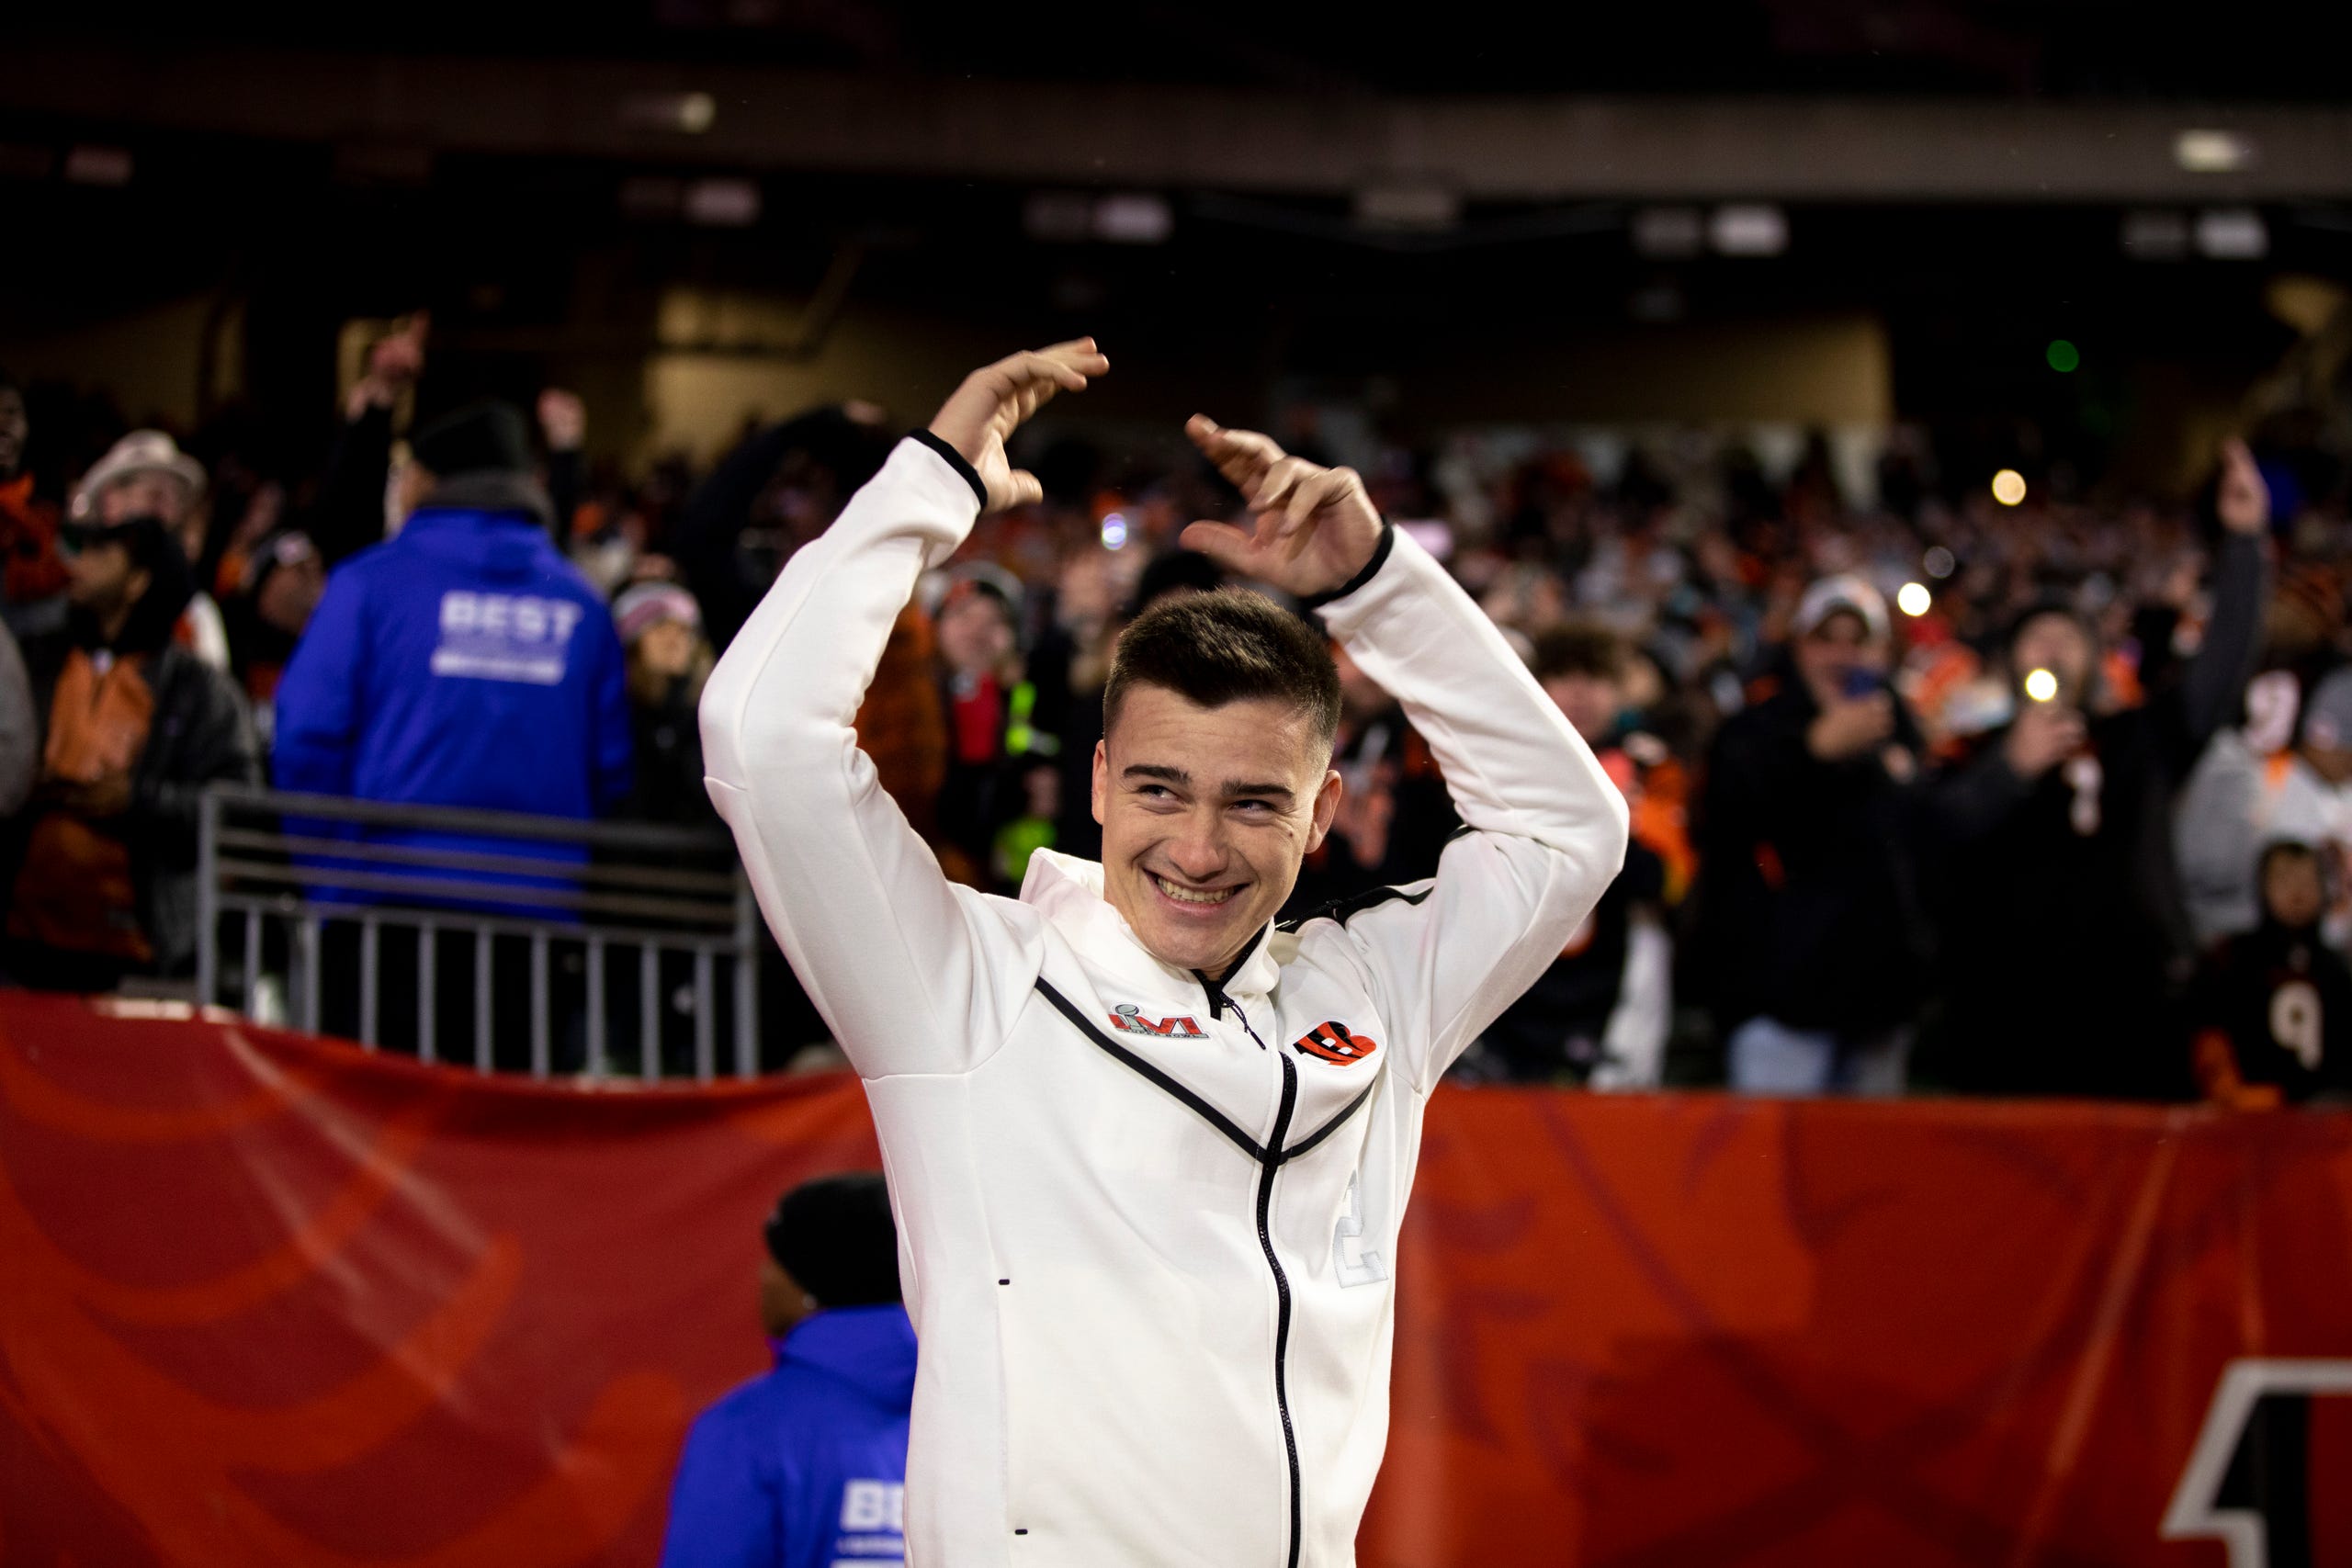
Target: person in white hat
(145, 474)
(1810, 937)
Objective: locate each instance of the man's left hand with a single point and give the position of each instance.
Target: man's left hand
(1314, 528)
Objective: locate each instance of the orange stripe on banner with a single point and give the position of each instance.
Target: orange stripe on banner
(39, 1100)
(414, 1373)
(2254, 1329)
(310, 1248)
(2098, 1351)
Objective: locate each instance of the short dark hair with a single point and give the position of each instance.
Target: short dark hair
(1228, 646)
(1580, 648)
(835, 1237)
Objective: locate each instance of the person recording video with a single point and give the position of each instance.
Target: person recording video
(1809, 933)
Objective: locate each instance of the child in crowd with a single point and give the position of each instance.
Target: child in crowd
(2273, 1007)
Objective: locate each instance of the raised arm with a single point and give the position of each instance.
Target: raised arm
(912, 974)
(1547, 829)
(2214, 687)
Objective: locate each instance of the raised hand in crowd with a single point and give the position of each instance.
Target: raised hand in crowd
(394, 365)
(348, 514)
(2242, 501)
(563, 420)
(563, 425)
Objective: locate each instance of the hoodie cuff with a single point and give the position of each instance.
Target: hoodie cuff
(955, 460)
(1371, 568)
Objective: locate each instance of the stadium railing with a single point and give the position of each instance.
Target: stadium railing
(603, 949)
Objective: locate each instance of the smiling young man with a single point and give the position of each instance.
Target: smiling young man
(1149, 1154)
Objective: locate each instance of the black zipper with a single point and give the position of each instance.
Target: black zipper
(1215, 990)
(1270, 1164)
(1269, 1168)
(1270, 1157)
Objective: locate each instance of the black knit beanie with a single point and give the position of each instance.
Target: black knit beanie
(485, 438)
(834, 1236)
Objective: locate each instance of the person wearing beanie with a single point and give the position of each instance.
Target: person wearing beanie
(2066, 945)
(102, 861)
(661, 632)
(1809, 935)
(432, 653)
(463, 662)
(806, 1466)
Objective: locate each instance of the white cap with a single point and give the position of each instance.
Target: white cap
(1844, 591)
(140, 452)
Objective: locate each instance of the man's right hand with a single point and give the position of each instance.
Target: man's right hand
(2044, 735)
(1848, 728)
(994, 401)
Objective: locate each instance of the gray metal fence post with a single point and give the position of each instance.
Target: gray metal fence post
(706, 1027)
(307, 936)
(596, 1065)
(649, 1012)
(747, 980)
(428, 995)
(208, 895)
(539, 1000)
(370, 982)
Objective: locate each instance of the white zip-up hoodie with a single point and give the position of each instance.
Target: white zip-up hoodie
(1147, 1222)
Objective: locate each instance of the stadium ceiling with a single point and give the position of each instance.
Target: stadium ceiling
(1495, 148)
(2253, 51)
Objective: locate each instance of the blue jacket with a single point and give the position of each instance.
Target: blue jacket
(464, 663)
(806, 1466)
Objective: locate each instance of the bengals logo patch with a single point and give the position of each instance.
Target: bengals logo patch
(1336, 1043)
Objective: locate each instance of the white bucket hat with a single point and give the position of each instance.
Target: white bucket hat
(140, 452)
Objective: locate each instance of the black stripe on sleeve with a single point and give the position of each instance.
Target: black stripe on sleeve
(1343, 909)
(1371, 568)
(972, 476)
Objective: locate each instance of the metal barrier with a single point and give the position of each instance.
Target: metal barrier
(606, 946)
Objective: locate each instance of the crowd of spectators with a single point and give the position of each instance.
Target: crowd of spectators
(1928, 789)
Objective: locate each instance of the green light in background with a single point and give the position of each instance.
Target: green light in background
(2062, 355)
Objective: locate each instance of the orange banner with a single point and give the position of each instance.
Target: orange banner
(267, 1299)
